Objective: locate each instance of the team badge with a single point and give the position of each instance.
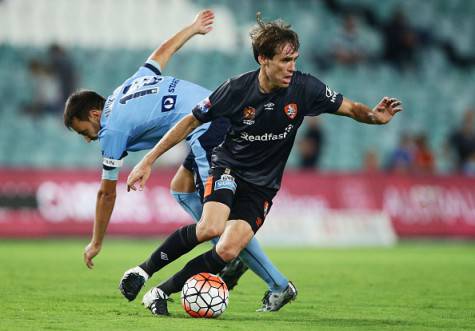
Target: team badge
(291, 110)
(248, 114)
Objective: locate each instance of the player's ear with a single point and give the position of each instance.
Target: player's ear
(95, 114)
(262, 60)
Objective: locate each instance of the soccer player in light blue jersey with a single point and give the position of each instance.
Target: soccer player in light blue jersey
(135, 117)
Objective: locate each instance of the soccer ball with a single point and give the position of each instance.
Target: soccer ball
(204, 295)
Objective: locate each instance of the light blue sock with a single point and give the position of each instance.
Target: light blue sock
(255, 258)
(253, 255)
(190, 202)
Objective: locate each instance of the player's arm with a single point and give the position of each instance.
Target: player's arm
(202, 24)
(142, 170)
(104, 206)
(382, 113)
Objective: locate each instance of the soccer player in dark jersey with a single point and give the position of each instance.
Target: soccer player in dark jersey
(265, 108)
(133, 118)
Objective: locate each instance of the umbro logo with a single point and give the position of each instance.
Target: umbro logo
(269, 106)
(164, 256)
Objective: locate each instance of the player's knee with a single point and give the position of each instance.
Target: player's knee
(183, 181)
(227, 251)
(209, 230)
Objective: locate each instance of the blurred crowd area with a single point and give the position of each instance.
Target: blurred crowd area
(422, 52)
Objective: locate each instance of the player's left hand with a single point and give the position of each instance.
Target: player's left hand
(139, 174)
(203, 22)
(386, 109)
(91, 251)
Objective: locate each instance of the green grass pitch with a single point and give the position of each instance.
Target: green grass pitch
(414, 286)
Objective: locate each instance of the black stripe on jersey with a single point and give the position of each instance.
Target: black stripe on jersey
(153, 68)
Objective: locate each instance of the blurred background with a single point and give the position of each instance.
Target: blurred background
(346, 183)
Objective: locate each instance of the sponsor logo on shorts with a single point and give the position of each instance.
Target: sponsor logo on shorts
(226, 182)
(248, 114)
(291, 110)
(267, 136)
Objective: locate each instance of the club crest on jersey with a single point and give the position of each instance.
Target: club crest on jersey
(291, 110)
(248, 114)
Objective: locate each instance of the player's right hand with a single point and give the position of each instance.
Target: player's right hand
(203, 22)
(140, 175)
(91, 251)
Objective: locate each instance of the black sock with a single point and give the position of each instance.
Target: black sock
(208, 262)
(178, 243)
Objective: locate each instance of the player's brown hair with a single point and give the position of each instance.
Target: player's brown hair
(268, 37)
(79, 104)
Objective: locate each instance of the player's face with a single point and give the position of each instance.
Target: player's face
(88, 129)
(280, 69)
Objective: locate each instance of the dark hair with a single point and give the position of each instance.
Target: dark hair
(79, 104)
(268, 37)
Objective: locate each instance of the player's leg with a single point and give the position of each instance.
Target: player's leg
(211, 261)
(177, 244)
(252, 204)
(183, 189)
(235, 237)
(252, 256)
(255, 258)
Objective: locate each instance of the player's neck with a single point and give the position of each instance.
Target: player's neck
(265, 85)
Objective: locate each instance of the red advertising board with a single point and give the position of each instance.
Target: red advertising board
(62, 202)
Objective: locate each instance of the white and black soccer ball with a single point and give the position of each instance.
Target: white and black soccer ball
(204, 295)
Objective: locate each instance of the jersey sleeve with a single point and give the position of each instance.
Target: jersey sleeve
(319, 98)
(150, 67)
(114, 145)
(218, 104)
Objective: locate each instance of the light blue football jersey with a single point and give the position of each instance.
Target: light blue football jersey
(140, 111)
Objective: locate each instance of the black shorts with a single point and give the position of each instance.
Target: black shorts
(247, 201)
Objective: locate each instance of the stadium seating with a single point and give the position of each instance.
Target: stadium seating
(434, 96)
